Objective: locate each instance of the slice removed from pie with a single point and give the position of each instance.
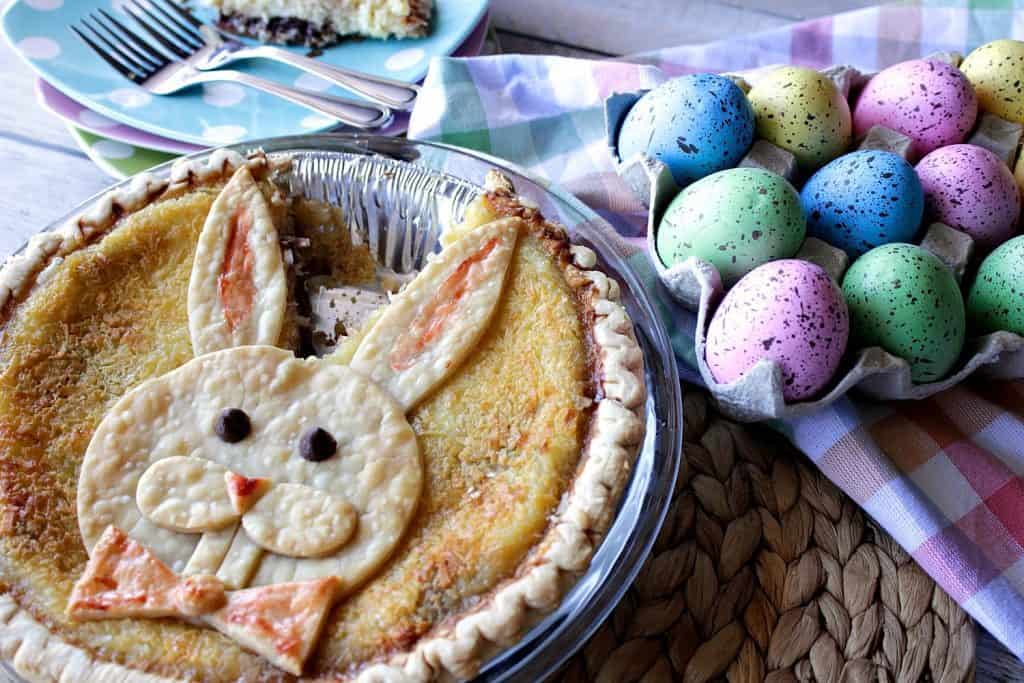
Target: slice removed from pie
(319, 23)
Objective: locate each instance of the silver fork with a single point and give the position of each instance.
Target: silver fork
(147, 66)
(211, 48)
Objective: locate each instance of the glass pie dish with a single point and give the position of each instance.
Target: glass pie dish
(396, 195)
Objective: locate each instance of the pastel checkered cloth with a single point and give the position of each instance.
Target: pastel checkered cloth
(944, 476)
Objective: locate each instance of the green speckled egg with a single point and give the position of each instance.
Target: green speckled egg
(996, 301)
(904, 299)
(803, 111)
(995, 70)
(736, 219)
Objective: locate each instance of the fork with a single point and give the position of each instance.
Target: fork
(151, 69)
(211, 48)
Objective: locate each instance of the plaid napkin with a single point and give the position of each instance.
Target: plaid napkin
(944, 476)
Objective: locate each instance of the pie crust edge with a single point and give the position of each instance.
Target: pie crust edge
(452, 649)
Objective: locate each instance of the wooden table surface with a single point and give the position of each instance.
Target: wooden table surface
(45, 175)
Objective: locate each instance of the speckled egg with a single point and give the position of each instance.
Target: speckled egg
(927, 100)
(802, 111)
(968, 188)
(863, 199)
(996, 301)
(735, 219)
(904, 299)
(996, 70)
(695, 124)
(788, 311)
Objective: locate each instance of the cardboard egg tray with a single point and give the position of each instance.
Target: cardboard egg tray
(872, 372)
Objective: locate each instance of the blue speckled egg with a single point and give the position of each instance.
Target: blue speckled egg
(862, 200)
(695, 125)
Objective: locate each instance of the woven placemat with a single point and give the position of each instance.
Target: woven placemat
(765, 571)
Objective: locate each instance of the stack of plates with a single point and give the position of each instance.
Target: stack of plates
(126, 130)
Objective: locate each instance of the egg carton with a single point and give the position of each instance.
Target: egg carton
(872, 372)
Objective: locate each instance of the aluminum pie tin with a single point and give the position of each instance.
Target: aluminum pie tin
(396, 195)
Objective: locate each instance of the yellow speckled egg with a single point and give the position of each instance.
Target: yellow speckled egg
(803, 111)
(996, 70)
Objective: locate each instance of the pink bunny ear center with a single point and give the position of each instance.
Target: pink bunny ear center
(235, 283)
(430, 322)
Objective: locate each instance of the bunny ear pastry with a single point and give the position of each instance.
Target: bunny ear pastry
(237, 293)
(432, 325)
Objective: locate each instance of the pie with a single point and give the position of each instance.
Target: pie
(319, 23)
(200, 482)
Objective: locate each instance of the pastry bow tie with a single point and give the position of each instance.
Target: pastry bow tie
(281, 622)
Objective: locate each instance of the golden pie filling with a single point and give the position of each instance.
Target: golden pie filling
(500, 440)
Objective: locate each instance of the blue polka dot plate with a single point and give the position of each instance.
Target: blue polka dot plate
(216, 113)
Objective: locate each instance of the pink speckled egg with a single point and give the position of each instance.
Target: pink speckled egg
(930, 101)
(968, 188)
(789, 311)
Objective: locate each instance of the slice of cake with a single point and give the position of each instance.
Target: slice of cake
(319, 23)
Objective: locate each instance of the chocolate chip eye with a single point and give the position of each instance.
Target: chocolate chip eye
(232, 425)
(317, 444)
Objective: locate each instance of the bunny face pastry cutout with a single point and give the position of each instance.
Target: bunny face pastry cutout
(260, 502)
(250, 489)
